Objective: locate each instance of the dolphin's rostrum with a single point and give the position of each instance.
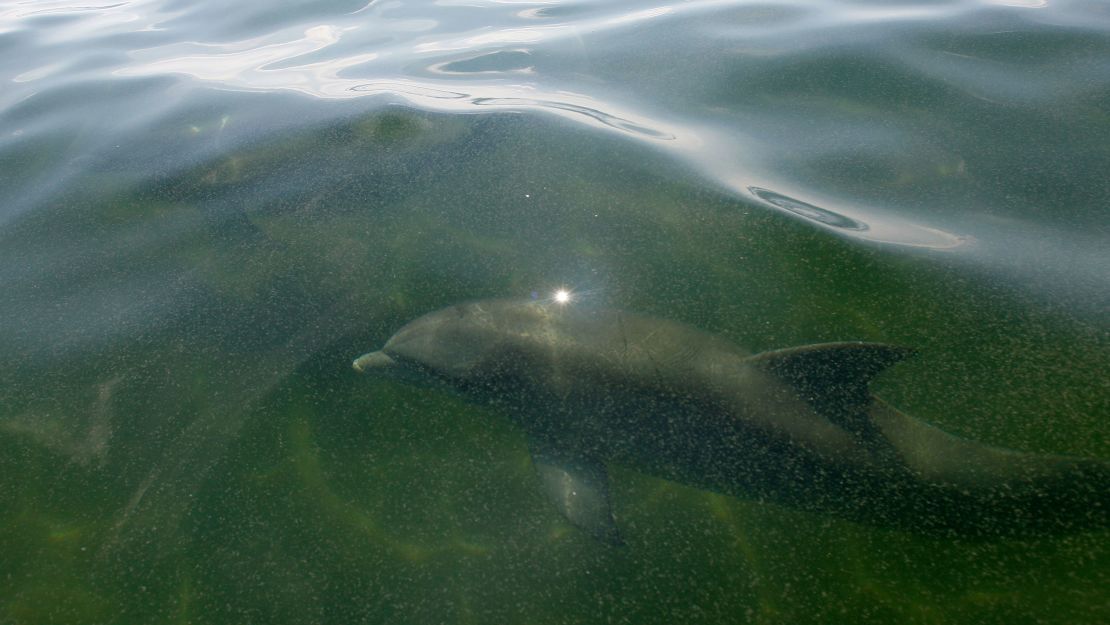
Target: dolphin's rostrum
(798, 426)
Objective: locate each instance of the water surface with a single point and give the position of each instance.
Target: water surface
(206, 210)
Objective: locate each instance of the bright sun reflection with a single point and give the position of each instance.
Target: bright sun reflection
(562, 296)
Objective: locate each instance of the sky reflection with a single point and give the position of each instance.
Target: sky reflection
(496, 68)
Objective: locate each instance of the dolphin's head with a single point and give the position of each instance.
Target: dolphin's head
(458, 342)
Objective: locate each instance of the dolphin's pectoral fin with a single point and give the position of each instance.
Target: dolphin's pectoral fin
(834, 377)
(578, 485)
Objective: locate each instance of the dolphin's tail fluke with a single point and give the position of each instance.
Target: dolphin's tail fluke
(976, 489)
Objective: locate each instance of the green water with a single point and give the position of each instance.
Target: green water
(189, 267)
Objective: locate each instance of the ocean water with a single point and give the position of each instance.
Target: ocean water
(207, 209)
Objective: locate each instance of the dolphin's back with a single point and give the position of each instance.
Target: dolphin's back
(641, 376)
(638, 347)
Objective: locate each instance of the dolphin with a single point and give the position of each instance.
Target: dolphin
(591, 386)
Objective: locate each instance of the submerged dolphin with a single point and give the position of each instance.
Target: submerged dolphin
(796, 426)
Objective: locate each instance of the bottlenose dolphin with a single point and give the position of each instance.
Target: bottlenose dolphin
(797, 426)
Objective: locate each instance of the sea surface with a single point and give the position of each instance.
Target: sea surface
(208, 208)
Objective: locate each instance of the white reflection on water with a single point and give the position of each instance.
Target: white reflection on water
(94, 18)
(247, 64)
(389, 51)
(1026, 4)
(263, 64)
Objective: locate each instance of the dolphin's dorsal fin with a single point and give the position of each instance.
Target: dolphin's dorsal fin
(834, 377)
(578, 485)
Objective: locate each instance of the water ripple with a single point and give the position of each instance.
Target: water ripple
(874, 226)
(407, 89)
(650, 73)
(605, 118)
(499, 62)
(822, 216)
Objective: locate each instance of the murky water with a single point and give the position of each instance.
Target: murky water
(206, 210)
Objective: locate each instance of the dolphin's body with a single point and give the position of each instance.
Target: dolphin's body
(796, 426)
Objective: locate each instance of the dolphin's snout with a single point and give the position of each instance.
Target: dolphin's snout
(373, 360)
